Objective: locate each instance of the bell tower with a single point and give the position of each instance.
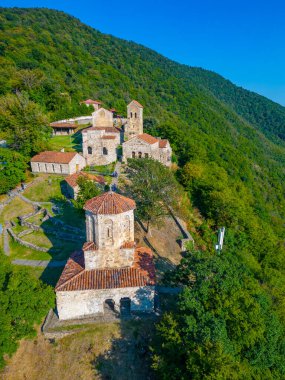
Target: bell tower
(135, 120)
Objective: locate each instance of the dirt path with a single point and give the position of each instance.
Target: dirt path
(117, 169)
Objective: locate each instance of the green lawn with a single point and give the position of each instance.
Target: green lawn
(103, 169)
(14, 209)
(69, 214)
(59, 249)
(72, 143)
(46, 188)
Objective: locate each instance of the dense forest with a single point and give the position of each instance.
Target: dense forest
(229, 145)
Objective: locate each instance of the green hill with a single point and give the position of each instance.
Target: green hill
(59, 61)
(229, 143)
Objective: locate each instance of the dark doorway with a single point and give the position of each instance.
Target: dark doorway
(109, 306)
(125, 307)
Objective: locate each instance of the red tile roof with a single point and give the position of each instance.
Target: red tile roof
(72, 179)
(54, 157)
(163, 143)
(109, 203)
(89, 246)
(137, 103)
(74, 276)
(148, 138)
(64, 125)
(90, 101)
(129, 244)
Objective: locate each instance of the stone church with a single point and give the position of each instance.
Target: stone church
(101, 141)
(147, 146)
(110, 271)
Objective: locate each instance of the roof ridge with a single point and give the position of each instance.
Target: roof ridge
(71, 278)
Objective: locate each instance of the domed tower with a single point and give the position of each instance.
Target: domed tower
(110, 231)
(134, 126)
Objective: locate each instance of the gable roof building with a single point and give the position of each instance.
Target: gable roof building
(72, 187)
(147, 146)
(110, 267)
(57, 162)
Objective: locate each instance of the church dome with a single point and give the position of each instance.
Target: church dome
(109, 203)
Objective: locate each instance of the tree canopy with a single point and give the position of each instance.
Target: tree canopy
(25, 125)
(154, 188)
(12, 169)
(224, 326)
(87, 190)
(24, 300)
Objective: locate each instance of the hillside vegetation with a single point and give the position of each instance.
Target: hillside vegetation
(228, 143)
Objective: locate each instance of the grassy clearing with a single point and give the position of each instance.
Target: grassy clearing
(72, 143)
(18, 251)
(58, 249)
(100, 351)
(48, 186)
(14, 209)
(70, 215)
(104, 169)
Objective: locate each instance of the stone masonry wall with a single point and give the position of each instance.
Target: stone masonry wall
(110, 231)
(76, 164)
(95, 140)
(83, 303)
(137, 145)
(135, 121)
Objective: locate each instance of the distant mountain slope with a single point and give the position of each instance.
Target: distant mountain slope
(59, 61)
(263, 113)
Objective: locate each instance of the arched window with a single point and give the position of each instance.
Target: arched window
(135, 115)
(131, 114)
(108, 231)
(146, 155)
(105, 151)
(140, 154)
(89, 150)
(127, 227)
(53, 168)
(133, 154)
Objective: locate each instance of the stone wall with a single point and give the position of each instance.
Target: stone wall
(110, 231)
(41, 167)
(83, 303)
(78, 120)
(138, 146)
(25, 243)
(102, 118)
(76, 164)
(103, 149)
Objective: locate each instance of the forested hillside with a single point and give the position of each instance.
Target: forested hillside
(228, 142)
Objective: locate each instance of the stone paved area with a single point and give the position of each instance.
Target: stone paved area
(40, 263)
(118, 170)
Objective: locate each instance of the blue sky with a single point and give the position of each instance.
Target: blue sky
(242, 40)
